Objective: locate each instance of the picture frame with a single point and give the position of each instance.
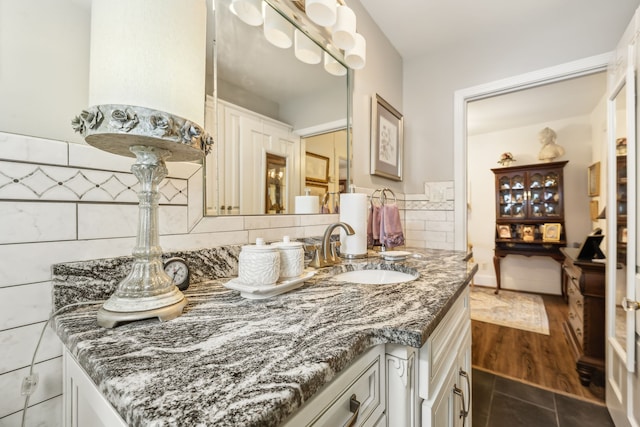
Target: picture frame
(528, 233)
(593, 210)
(317, 189)
(551, 232)
(593, 180)
(387, 139)
(316, 168)
(504, 231)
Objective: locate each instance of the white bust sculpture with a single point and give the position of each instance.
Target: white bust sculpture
(550, 150)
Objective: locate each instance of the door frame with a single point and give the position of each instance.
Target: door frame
(569, 70)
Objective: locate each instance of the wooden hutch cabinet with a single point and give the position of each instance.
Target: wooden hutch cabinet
(528, 199)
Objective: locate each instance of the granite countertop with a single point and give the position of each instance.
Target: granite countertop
(230, 361)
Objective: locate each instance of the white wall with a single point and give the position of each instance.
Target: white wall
(44, 56)
(534, 274)
(430, 81)
(381, 75)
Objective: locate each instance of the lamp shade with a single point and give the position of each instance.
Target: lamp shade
(277, 30)
(306, 50)
(356, 57)
(130, 62)
(332, 66)
(322, 12)
(344, 30)
(249, 11)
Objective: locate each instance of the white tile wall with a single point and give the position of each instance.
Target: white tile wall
(54, 223)
(43, 414)
(49, 385)
(429, 217)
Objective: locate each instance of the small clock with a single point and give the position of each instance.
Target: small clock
(178, 270)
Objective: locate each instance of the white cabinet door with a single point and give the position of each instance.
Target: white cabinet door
(84, 405)
(451, 405)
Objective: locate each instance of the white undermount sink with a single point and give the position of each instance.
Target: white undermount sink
(375, 277)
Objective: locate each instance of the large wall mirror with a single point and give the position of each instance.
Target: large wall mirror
(268, 110)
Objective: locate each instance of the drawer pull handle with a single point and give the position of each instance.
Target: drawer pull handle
(571, 315)
(354, 407)
(463, 412)
(465, 375)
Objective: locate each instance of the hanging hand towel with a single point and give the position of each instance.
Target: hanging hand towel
(390, 227)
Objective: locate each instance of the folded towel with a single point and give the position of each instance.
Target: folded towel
(373, 225)
(390, 227)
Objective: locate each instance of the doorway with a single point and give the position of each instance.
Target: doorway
(470, 128)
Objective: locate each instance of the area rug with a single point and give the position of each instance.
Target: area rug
(512, 309)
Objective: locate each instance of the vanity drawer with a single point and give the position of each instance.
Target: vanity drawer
(576, 302)
(435, 355)
(577, 326)
(360, 386)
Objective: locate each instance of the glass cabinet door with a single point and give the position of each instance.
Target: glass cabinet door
(545, 200)
(512, 196)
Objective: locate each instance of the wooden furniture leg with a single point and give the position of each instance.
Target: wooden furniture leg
(496, 266)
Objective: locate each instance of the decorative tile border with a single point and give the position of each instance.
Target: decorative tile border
(26, 181)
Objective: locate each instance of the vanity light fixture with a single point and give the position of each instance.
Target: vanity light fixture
(306, 50)
(277, 30)
(321, 12)
(128, 70)
(356, 57)
(332, 66)
(336, 19)
(249, 11)
(343, 33)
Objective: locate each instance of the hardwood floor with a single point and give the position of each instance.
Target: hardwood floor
(543, 360)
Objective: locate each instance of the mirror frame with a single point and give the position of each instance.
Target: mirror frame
(321, 37)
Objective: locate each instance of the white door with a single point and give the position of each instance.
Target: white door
(623, 254)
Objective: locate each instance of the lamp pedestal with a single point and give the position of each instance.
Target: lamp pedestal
(147, 291)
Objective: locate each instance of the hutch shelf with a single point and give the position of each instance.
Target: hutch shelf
(529, 212)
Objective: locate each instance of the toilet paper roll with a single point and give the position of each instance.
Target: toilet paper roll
(307, 205)
(353, 211)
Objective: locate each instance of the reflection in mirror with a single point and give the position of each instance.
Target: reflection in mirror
(264, 103)
(276, 188)
(326, 167)
(620, 132)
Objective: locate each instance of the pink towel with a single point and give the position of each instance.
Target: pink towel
(390, 227)
(373, 225)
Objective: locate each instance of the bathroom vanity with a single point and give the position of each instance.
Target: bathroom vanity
(326, 353)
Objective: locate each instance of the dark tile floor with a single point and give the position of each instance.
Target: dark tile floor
(500, 402)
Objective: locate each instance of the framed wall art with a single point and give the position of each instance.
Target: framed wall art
(317, 168)
(387, 139)
(593, 180)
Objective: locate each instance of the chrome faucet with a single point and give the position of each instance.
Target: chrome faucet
(327, 254)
